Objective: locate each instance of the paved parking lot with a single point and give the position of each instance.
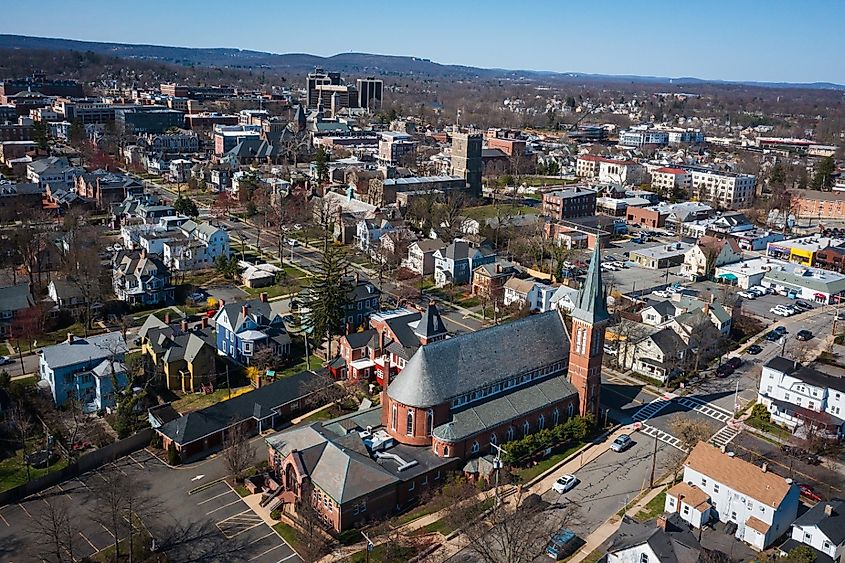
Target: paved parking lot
(189, 522)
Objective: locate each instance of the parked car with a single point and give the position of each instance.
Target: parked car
(724, 370)
(622, 443)
(802, 454)
(780, 329)
(662, 293)
(754, 349)
(773, 336)
(807, 491)
(5, 360)
(804, 335)
(734, 362)
(762, 290)
(565, 483)
(802, 305)
(747, 294)
(563, 543)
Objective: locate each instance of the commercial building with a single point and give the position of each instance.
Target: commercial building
(747, 273)
(147, 119)
(668, 180)
(370, 93)
(727, 190)
(571, 202)
(208, 120)
(812, 284)
(718, 486)
(802, 250)
(806, 399)
(396, 148)
(814, 204)
(227, 137)
(643, 137)
(661, 256)
(40, 84)
(466, 159)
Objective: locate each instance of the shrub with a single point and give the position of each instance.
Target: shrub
(275, 514)
(349, 537)
(156, 441)
(760, 412)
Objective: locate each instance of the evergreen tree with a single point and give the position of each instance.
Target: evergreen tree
(41, 135)
(327, 296)
(77, 132)
(186, 206)
(823, 178)
(321, 159)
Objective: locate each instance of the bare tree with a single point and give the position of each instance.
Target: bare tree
(83, 270)
(20, 423)
(690, 431)
(237, 454)
(112, 489)
(56, 529)
(315, 542)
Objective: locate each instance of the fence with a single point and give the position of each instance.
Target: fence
(86, 462)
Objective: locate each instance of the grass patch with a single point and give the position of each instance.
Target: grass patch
(315, 361)
(528, 473)
(417, 513)
(59, 335)
(384, 553)
(272, 291)
(242, 491)
(654, 508)
(13, 469)
(197, 401)
(469, 302)
(141, 548)
(290, 535)
(445, 527)
(768, 426)
(483, 212)
(327, 413)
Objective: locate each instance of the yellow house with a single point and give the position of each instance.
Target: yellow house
(187, 356)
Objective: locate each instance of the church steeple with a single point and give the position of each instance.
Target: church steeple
(591, 306)
(589, 321)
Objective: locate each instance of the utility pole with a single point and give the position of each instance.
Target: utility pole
(653, 463)
(497, 465)
(228, 385)
(370, 545)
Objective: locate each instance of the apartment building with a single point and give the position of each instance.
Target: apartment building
(571, 202)
(727, 190)
(717, 485)
(667, 180)
(804, 397)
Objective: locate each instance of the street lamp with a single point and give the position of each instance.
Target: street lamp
(370, 545)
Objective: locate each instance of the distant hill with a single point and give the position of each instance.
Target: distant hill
(349, 63)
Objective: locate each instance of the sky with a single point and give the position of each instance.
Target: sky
(763, 40)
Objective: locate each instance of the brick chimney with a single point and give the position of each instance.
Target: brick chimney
(167, 318)
(765, 467)
(184, 325)
(221, 303)
(143, 253)
(828, 510)
(381, 342)
(70, 338)
(263, 297)
(661, 522)
(244, 310)
(204, 322)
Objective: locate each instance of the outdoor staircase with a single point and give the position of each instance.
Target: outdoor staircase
(724, 436)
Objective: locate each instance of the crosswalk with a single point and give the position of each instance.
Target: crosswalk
(724, 436)
(650, 409)
(705, 408)
(665, 437)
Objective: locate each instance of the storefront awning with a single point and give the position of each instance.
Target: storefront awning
(728, 276)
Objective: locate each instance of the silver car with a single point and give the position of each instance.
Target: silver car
(622, 443)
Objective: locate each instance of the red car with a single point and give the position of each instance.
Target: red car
(808, 492)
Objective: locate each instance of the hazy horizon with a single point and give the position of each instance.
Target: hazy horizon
(779, 41)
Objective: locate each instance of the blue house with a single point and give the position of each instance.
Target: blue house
(243, 328)
(455, 263)
(86, 369)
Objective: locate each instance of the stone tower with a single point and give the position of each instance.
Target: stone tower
(589, 322)
(466, 159)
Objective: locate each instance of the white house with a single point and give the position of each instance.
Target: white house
(703, 257)
(717, 485)
(564, 298)
(421, 255)
(369, 231)
(535, 295)
(660, 313)
(665, 540)
(802, 396)
(653, 353)
(823, 529)
(194, 246)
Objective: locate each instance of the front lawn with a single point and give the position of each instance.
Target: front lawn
(386, 553)
(654, 508)
(483, 212)
(315, 361)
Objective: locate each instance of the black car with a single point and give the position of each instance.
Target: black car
(734, 362)
(802, 305)
(773, 336)
(754, 349)
(724, 370)
(804, 335)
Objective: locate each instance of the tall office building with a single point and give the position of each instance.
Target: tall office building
(315, 81)
(466, 159)
(370, 92)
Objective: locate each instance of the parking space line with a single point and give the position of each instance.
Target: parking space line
(263, 553)
(263, 537)
(234, 516)
(4, 521)
(25, 510)
(291, 556)
(222, 507)
(245, 530)
(94, 547)
(141, 465)
(214, 497)
(107, 530)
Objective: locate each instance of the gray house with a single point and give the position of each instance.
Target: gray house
(455, 263)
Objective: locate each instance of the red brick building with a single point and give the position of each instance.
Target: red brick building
(453, 399)
(651, 217)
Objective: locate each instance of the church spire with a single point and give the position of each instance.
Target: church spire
(591, 306)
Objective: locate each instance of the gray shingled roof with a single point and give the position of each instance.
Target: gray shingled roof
(81, 350)
(500, 410)
(676, 544)
(832, 526)
(431, 324)
(15, 297)
(448, 368)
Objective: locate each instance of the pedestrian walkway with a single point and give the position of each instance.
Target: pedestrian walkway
(724, 436)
(651, 409)
(664, 437)
(705, 408)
